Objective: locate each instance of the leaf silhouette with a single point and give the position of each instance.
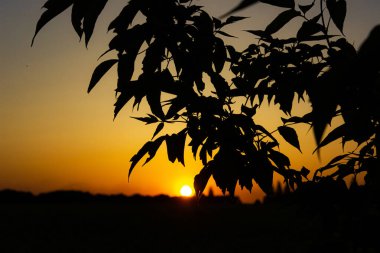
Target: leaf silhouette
(295, 119)
(279, 159)
(154, 56)
(308, 29)
(250, 112)
(331, 164)
(158, 129)
(94, 8)
(150, 148)
(225, 34)
(290, 135)
(233, 19)
(99, 72)
(125, 69)
(201, 180)
(262, 34)
(262, 129)
(337, 10)
(262, 170)
(77, 15)
(137, 157)
(154, 100)
(175, 146)
(129, 90)
(335, 134)
(282, 19)
(220, 55)
(242, 5)
(304, 172)
(148, 120)
(125, 17)
(154, 147)
(225, 169)
(53, 8)
(306, 8)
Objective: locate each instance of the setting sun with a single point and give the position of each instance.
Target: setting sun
(186, 191)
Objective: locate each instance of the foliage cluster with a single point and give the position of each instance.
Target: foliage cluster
(182, 46)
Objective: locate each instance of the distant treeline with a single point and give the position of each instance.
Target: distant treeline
(73, 196)
(316, 194)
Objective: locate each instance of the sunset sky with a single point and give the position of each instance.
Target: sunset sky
(53, 135)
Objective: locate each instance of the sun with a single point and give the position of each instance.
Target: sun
(186, 191)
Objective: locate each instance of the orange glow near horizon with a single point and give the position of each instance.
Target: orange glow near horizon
(53, 135)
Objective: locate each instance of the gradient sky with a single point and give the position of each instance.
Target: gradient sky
(53, 135)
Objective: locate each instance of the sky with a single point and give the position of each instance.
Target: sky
(53, 135)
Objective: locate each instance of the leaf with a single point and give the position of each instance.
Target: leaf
(217, 23)
(175, 144)
(250, 112)
(335, 134)
(308, 29)
(94, 8)
(84, 15)
(201, 180)
(137, 157)
(234, 56)
(262, 171)
(307, 118)
(154, 56)
(367, 149)
(99, 72)
(280, 3)
(176, 106)
(306, 8)
(181, 140)
(123, 98)
(148, 120)
(337, 10)
(54, 8)
(282, 19)
(202, 153)
(150, 147)
(262, 129)
(290, 135)
(331, 164)
(125, 17)
(226, 166)
(260, 33)
(125, 69)
(279, 159)
(154, 147)
(220, 84)
(233, 19)
(243, 4)
(153, 97)
(220, 55)
(305, 172)
(324, 98)
(77, 15)
(226, 34)
(158, 129)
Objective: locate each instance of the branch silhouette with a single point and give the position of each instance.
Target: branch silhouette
(182, 45)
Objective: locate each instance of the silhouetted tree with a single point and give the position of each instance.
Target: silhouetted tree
(182, 45)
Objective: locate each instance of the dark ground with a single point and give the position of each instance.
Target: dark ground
(185, 226)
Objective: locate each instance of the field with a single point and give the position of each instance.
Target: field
(186, 226)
